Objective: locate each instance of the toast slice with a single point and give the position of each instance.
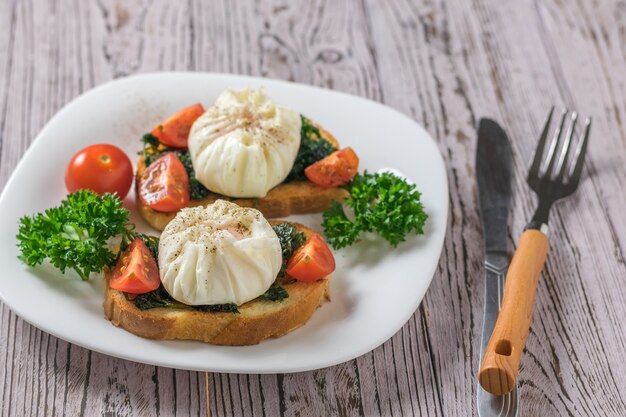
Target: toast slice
(294, 197)
(257, 320)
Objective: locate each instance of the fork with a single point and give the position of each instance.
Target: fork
(552, 179)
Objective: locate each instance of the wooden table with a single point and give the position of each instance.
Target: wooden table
(445, 64)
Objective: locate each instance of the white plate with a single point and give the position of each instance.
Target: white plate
(375, 289)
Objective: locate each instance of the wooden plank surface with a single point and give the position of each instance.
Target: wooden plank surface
(445, 64)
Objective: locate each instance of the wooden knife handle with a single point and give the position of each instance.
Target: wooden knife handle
(498, 370)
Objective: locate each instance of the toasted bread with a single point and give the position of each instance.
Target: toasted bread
(257, 320)
(294, 197)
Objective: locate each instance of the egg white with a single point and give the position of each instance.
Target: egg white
(218, 254)
(245, 144)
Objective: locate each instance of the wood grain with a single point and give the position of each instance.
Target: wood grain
(445, 64)
(500, 364)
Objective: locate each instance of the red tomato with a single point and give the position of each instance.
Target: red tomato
(164, 185)
(311, 261)
(335, 170)
(136, 271)
(174, 131)
(100, 168)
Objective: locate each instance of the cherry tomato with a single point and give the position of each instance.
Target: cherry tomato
(335, 170)
(174, 131)
(100, 168)
(164, 185)
(311, 261)
(136, 271)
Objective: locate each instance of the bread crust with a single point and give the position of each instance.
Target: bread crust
(257, 320)
(294, 197)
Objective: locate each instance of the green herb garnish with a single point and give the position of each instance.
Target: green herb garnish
(197, 190)
(75, 235)
(290, 240)
(313, 147)
(275, 293)
(152, 148)
(383, 203)
(218, 308)
(289, 237)
(160, 298)
(154, 299)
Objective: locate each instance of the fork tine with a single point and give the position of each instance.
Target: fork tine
(533, 172)
(581, 150)
(554, 145)
(560, 167)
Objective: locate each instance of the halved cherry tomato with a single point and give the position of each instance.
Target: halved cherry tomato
(164, 185)
(311, 261)
(100, 168)
(336, 169)
(136, 271)
(174, 131)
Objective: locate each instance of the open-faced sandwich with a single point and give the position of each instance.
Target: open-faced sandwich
(244, 148)
(225, 276)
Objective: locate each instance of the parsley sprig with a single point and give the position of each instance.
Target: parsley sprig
(383, 203)
(76, 234)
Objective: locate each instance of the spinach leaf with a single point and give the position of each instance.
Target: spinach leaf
(154, 299)
(218, 308)
(290, 240)
(289, 237)
(161, 298)
(198, 191)
(313, 147)
(275, 293)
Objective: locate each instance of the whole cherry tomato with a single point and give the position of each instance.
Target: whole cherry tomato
(101, 168)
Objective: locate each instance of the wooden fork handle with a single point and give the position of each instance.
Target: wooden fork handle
(498, 370)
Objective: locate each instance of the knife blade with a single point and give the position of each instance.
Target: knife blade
(493, 176)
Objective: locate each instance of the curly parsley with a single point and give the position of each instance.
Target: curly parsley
(383, 203)
(75, 235)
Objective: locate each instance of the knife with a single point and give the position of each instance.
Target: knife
(493, 175)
